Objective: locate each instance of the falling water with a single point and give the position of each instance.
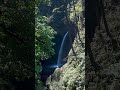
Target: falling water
(61, 50)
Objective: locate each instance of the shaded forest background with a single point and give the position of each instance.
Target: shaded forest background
(17, 44)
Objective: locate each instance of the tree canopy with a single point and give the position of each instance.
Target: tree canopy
(43, 42)
(25, 39)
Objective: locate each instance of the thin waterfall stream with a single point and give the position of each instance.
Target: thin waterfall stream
(50, 67)
(61, 50)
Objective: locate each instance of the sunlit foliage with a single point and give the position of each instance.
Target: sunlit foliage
(44, 35)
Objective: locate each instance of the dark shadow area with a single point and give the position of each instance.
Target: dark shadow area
(17, 45)
(102, 45)
(27, 84)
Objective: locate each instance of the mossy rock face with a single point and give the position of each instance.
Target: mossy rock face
(106, 53)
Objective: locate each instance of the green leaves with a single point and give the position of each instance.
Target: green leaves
(44, 35)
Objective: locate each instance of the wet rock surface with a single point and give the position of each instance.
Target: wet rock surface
(71, 75)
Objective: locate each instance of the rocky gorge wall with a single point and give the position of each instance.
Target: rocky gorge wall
(106, 50)
(71, 76)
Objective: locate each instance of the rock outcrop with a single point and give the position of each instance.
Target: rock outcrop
(70, 76)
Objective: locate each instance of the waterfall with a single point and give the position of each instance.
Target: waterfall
(61, 50)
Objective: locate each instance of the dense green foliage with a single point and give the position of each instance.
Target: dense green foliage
(16, 42)
(20, 21)
(43, 42)
(44, 35)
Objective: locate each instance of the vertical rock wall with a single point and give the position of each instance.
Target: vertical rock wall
(71, 76)
(106, 50)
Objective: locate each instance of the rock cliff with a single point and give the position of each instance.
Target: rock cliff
(71, 76)
(106, 50)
